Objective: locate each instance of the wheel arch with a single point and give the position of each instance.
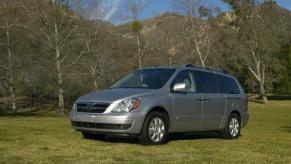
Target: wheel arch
(161, 110)
(237, 113)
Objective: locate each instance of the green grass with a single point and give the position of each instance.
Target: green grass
(266, 139)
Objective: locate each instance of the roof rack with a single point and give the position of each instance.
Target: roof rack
(189, 65)
(207, 68)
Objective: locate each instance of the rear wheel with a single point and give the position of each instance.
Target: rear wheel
(233, 127)
(91, 135)
(155, 129)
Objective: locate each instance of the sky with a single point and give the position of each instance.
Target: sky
(156, 7)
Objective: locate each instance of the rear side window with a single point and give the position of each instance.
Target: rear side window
(228, 85)
(207, 82)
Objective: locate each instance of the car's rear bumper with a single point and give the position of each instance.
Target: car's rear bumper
(120, 123)
(245, 119)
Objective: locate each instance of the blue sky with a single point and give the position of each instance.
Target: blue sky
(156, 7)
(285, 3)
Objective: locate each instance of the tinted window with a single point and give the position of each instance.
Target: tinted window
(145, 78)
(207, 82)
(228, 85)
(186, 77)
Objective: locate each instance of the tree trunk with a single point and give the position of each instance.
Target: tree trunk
(260, 78)
(140, 62)
(169, 50)
(263, 93)
(61, 107)
(93, 75)
(13, 98)
(10, 72)
(61, 104)
(202, 63)
(139, 52)
(199, 53)
(170, 60)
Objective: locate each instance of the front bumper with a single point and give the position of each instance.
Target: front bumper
(120, 123)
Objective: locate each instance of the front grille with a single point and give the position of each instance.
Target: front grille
(101, 126)
(92, 107)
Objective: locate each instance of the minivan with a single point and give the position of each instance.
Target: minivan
(152, 102)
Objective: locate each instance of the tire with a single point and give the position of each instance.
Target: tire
(91, 135)
(155, 129)
(233, 127)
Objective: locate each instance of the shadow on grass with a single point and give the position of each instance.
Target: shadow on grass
(172, 137)
(195, 136)
(120, 139)
(287, 128)
(257, 99)
(279, 97)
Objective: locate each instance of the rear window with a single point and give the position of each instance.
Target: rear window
(228, 85)
(207, 82)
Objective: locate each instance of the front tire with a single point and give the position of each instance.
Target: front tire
(155, 129)
(233, 127)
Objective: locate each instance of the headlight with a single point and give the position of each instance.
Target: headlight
(127, 105)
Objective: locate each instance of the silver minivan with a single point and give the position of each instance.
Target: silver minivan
(150, 103)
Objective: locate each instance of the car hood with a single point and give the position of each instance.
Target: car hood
(110, 95)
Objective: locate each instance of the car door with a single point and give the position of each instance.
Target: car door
(187, 107)
(232, 94)
(214, 101)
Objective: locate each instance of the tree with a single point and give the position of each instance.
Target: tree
(57, 25)
(256, 40)
(197, 28)
(135, 7)
(90, 33)
(284, 54)
(10, 20)
(91, 36)
(168, 41)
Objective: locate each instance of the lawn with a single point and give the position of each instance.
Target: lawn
(266, 139)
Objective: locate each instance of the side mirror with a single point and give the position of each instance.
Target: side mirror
(179, 87)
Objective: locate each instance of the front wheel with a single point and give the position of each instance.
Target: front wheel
(233, 127)
(155, 129)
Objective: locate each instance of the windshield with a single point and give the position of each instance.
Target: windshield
(145, 78)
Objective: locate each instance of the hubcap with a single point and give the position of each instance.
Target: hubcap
(156, 129)
(234, 127)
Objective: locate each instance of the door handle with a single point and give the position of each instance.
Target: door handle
(206, 99)
(199, 99)
(203, 99)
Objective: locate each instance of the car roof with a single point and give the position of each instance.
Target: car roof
(193, 67)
